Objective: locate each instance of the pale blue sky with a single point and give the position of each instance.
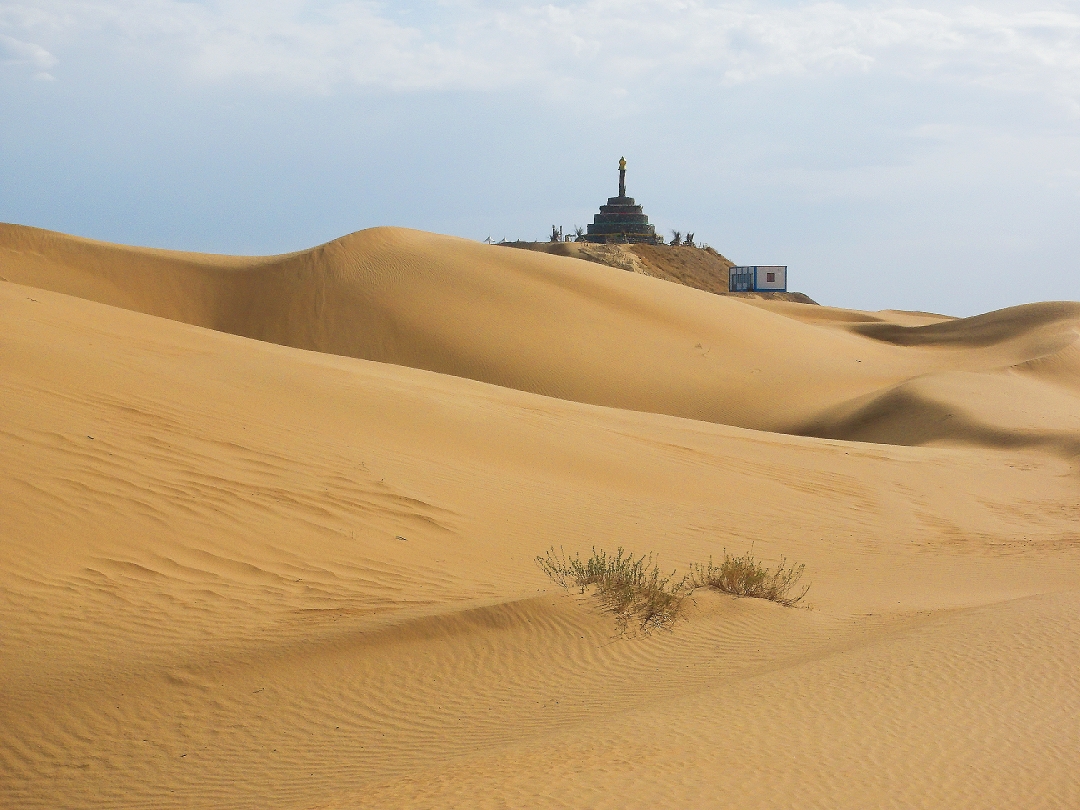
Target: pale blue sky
(907, 155)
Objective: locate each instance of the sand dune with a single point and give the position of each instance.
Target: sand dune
(545, 324)
(241, 573)
(534, 322)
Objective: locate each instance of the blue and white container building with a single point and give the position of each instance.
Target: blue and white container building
(758, 278)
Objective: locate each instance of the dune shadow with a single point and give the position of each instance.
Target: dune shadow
(901, 417)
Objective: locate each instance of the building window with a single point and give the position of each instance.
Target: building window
(770, 276)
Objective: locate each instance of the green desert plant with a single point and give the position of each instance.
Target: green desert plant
(745, 576)
(630, 587)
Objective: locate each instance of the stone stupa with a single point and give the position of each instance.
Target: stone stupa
(621, 220)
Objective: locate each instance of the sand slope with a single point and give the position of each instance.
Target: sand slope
(298, 571)
(569, 329)
(206, 601)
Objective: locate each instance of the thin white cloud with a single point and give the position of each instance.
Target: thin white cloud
(26, 55)
(326, 47)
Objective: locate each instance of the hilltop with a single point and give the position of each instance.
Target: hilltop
(701, 268)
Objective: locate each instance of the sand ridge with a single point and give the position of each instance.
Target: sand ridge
(558, 326)
(238, 572)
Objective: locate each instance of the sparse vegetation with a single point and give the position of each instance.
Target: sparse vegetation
(679, 240)
(634, 589)
(631, 588)
(745, 576)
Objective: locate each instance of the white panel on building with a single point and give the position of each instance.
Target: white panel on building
(771, 277)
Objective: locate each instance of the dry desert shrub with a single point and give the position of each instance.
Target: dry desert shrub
(745, 576)
(631, 588)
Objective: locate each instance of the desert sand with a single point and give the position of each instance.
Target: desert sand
(268, 531)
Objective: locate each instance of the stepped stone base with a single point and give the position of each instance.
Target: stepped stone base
(621, 220)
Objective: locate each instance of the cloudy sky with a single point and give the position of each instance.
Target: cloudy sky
(907, 155)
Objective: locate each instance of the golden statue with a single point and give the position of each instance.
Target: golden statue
(622, 177)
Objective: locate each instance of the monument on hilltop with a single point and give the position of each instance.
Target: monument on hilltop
(621, 220)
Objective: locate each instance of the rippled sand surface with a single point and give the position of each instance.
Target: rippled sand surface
(268, 529)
